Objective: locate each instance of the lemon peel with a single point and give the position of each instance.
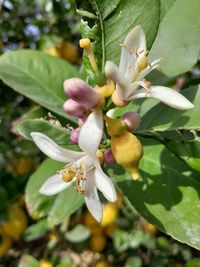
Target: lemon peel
(127, 151)
(115, 127)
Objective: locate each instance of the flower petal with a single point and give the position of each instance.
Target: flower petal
(135, 40)
(52, 150)
(146, 71)
(123, 87)
(166, 95)
(54, 185)
(104, 183)
(170, 97)
(91, 133)
(91, 197)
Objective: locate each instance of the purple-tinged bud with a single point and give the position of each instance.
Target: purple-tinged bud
(108, 157)
(75, 135)
(74, 108)
(132, 120)
(81, 92)
(82, 120)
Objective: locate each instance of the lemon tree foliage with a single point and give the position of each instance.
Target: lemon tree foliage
(37, 76)
(167, 193)
(177, 37)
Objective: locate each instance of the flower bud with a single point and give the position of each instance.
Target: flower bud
(81, 92)
(108, 156)
(74, 108)
(75, 135)
(132, 120)
(82, 120)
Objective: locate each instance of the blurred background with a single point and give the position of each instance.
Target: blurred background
(123, 238)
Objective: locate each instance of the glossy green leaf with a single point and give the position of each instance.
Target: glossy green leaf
(116, 19)
(167, 195)
(28, 261)
(59, 134)
(60, 211)
(188, 151)
(177, 42)
(165, 7)
(38, 76)
(56, 207)
(36, 231)
(161, 117)
(78, 234)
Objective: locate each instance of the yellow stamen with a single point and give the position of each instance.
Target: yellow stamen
(67, 175)
(85, 43)
(80, 179)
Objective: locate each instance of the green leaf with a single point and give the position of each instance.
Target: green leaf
(38, 76)
(28, 261)
(78, 234)
(116, 19)
(165, 6)
(60, 211)
(36, 231)
(56, 207)
(177, 42)
(187, 151)
(59, 134)
(167, 195)
(162, 117)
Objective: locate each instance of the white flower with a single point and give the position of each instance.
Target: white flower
(84, 167)
(134, 66)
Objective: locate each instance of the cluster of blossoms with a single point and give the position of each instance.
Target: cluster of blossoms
(117, 142)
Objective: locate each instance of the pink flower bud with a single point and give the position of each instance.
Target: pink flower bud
(108, 156)
(75, 109)
(82, 120)
(132, 120)
(81, 92)
(75, 135)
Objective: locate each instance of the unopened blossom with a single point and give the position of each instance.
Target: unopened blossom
(132, 120)
(134, 66)
(81, 92)
(83, 168)
(108, 156)
(74, 136)
(74, 108)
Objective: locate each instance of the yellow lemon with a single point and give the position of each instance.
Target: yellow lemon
(127, 151)
(22, 164)
(93, 225)
(110, 229)
(5, 242)
(45, 263)
(16, 222)
(68, 51)
(97, 242)
(52, 51)
(110, 212)
(102, 263)
(116, 127)
(150, 228)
